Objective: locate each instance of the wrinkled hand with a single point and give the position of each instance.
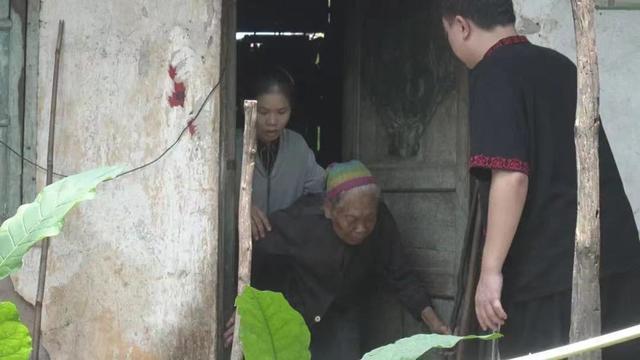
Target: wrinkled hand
(489, 309)
(228, 332)
(260, 224)
(434, 323)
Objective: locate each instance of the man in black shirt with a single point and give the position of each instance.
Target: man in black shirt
(329, 250)
(522, 106)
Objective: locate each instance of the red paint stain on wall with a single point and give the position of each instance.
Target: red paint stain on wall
(179, 90)
(193, 128)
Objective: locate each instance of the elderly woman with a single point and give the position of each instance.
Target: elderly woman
(334, 246)
(286, 167)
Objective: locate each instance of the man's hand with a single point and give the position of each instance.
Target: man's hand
(228, 332)
(434, 323)
(489, 309)
(260, 224)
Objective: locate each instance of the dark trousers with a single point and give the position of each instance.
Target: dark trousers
(543, 323)
(336, 336)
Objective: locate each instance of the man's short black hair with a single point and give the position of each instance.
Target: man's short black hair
(487, 14)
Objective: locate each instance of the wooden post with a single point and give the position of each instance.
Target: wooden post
(585, 301)
(244, 212)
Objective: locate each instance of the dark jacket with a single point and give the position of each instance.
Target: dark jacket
(318, 270)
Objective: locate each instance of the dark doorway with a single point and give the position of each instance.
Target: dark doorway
(376, 82)
(304, 38)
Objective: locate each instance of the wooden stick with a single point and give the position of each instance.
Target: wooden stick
(584, 346)
(467, 317)
(244, 213)
(44, 250)
(585, 301)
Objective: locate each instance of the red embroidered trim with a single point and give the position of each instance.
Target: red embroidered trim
(511, 40)
(499, 163)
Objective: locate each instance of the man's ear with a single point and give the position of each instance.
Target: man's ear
(328, 209)
(464, 25)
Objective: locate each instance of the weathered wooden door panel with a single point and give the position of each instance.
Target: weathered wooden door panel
(11, 99)
(405, 117)
(428, 239)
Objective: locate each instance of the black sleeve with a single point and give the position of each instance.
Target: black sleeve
(395, 271)
(276, 241)
(272, 255)
(498, 124)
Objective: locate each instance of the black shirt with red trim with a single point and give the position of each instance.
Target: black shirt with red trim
(522, 113)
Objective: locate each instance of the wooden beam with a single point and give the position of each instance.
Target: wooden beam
(227, 200)
(244, 212)
(585, 301)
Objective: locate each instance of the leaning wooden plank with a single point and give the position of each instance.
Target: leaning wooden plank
(244, 213)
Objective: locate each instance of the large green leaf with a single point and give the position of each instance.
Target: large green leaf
(45, 216)
(15, 341)
(270, 329)
(413, 347)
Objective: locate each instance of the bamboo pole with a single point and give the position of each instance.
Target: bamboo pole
(244, 213)
(44, 250)
(585, 346)
(585, 301)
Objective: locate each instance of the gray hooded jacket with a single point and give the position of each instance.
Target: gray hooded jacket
(295, 173)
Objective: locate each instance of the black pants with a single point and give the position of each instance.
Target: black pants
(336, 336)
(543, 323)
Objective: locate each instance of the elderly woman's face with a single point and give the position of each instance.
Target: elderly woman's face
(274, 112)
(354, 217)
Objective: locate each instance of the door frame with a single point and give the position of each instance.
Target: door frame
(227, 199)
(20, 20)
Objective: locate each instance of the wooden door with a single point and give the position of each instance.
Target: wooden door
(405, 117)
(12, 35)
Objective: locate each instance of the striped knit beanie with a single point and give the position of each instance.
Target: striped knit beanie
(345, 176)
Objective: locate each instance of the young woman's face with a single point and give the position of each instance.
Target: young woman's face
(274, 111)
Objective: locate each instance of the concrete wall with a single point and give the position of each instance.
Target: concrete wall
(550, 23)
(133, 274)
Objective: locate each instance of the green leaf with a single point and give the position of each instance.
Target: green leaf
(45, 216)
(270, 329)
(413, 347)
(15, 341)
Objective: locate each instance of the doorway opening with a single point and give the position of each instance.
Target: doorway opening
(375, 81)
(305, 39)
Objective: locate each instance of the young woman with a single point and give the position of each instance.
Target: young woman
(286, 167)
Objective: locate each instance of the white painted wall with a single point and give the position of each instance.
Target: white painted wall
(133, 274)
(550, 23)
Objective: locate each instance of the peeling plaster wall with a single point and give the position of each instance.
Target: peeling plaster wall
(133, 275)
(550, 23)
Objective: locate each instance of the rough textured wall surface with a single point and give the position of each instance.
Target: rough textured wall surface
(550, 23)
(133, 274)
